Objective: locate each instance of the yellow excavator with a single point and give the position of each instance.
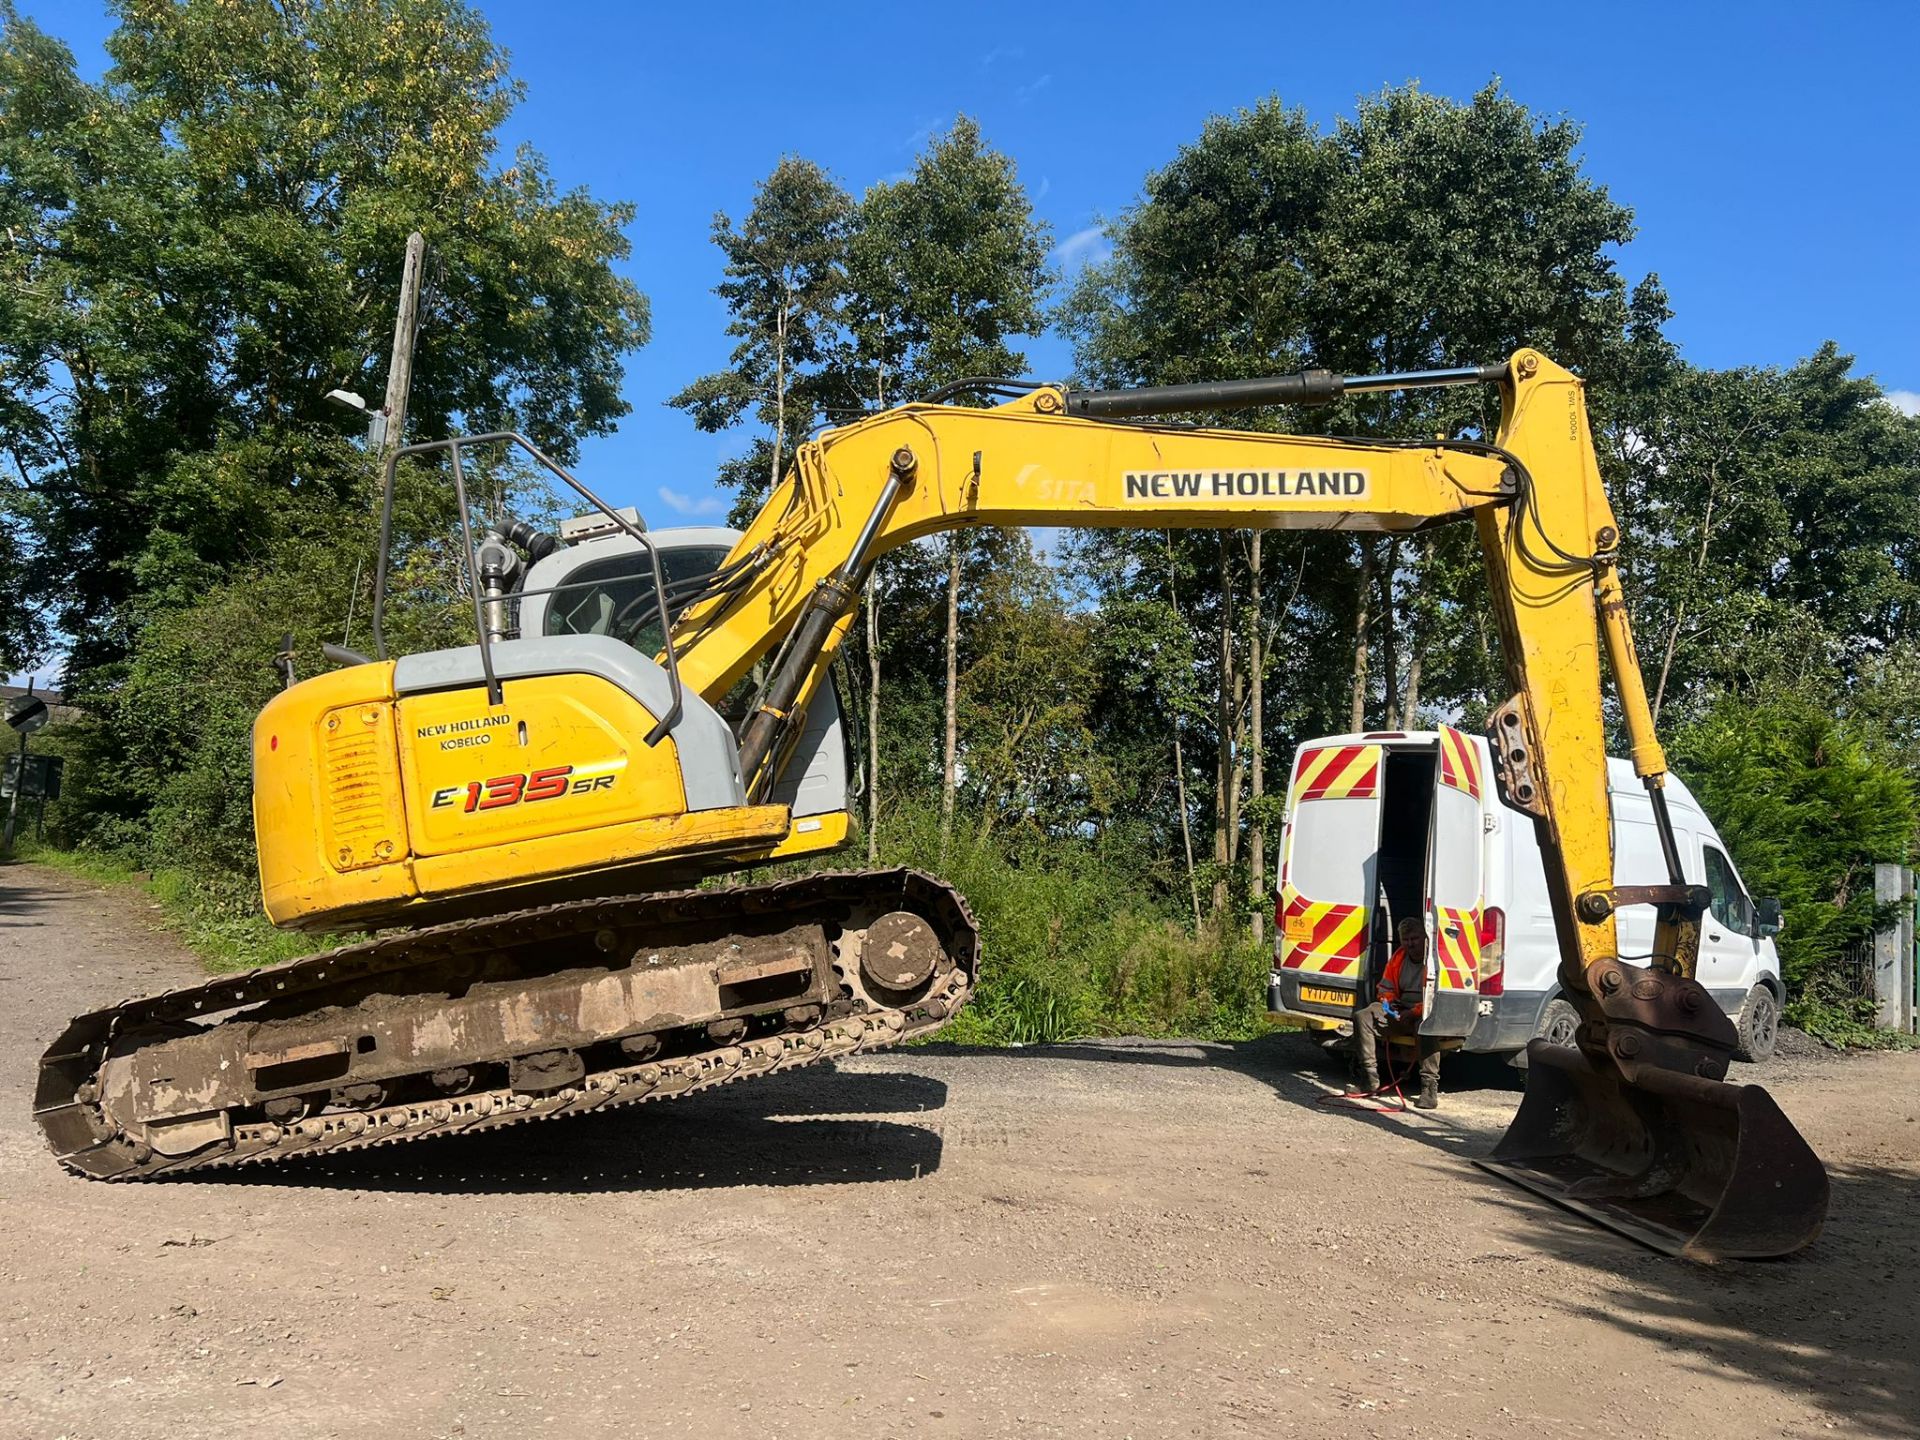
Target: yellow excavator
(526, 821)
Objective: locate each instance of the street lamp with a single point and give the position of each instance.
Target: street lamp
(376, 419)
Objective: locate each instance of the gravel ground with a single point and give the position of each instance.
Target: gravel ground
(1125, 1238)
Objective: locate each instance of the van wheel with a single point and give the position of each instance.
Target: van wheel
(1758, 1026)
(1558, 1021)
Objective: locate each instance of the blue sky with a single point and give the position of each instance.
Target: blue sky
(1771, 152)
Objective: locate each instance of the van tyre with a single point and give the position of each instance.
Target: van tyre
(1558, 1022)
(1758, 1026)
(1556, 1025)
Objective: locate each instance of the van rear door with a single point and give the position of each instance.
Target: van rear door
(1329, 860)
(1455, 850)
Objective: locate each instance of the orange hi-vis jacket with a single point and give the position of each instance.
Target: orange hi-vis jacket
(1405, 986)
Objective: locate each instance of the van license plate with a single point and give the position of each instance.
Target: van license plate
(1317, 996)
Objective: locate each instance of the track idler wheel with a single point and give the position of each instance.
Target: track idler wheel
(899, 956)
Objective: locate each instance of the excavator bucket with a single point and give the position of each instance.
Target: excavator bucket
(1697, 1168)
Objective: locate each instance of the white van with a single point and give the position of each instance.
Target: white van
(1395, 823)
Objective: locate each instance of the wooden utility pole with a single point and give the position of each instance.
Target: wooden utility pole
(1257, 725)
(950, 752)
(406, 328)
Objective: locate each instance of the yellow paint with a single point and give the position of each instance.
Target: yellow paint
(319, 822)
(560, 754)
(1549, 625)
(665, 839)
(344, 802)
(823, 833)
(1044, 469)
(1361, 760)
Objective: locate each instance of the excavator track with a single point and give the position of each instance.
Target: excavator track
(533, 1015)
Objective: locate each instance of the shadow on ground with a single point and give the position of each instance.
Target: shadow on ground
(774, 1132)
(1299, 1070)
(22, 898)
(1838, 1324)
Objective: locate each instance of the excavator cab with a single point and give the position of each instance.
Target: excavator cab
(598, 581)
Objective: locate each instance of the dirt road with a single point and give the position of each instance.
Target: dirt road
(1117, 1239)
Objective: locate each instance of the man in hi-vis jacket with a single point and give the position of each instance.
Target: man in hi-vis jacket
(1397, 1012)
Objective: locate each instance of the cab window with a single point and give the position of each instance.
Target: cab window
(1730, 905)
(615, 597)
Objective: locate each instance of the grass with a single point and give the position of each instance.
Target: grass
(1072, 949)
(1845, 1024)
(222, 931)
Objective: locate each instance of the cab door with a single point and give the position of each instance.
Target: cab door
(1456, 850)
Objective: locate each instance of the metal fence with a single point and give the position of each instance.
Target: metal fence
(1855, 972)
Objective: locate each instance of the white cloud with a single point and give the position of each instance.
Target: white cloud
(1084, 247)
(692, 506)
(927, 130)
(1907, 402)
(1026, 92)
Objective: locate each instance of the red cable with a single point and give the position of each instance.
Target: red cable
(1351, 1099)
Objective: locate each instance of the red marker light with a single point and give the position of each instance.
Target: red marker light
(273, 742)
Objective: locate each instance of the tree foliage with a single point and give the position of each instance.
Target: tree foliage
(783, 285)
(945, 266)
(1418, 233)
(209, 239)
(200, 246)
(1808, 810)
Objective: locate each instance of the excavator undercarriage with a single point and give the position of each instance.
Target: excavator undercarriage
(529, 1016)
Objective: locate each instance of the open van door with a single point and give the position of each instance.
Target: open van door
(1329, 860)
(1454, 903)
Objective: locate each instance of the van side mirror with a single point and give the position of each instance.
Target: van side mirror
(1766, 909)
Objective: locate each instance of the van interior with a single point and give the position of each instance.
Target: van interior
(1406, 822)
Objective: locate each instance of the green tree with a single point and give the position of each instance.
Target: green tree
(1026, 704)
(946, 266)
(1420, 232)
(209, 239)
(204, 243)
(784, 285)
(1771, 520)
(1808, 811)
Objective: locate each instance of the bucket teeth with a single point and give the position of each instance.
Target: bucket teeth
(1691, 1166)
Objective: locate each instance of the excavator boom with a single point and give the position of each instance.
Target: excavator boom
(554, 759)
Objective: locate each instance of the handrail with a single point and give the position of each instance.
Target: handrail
(454, 445)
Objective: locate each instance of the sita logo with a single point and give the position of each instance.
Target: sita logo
(504, 790)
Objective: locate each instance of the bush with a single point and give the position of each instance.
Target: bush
(1071, 945)
(1808, 812)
